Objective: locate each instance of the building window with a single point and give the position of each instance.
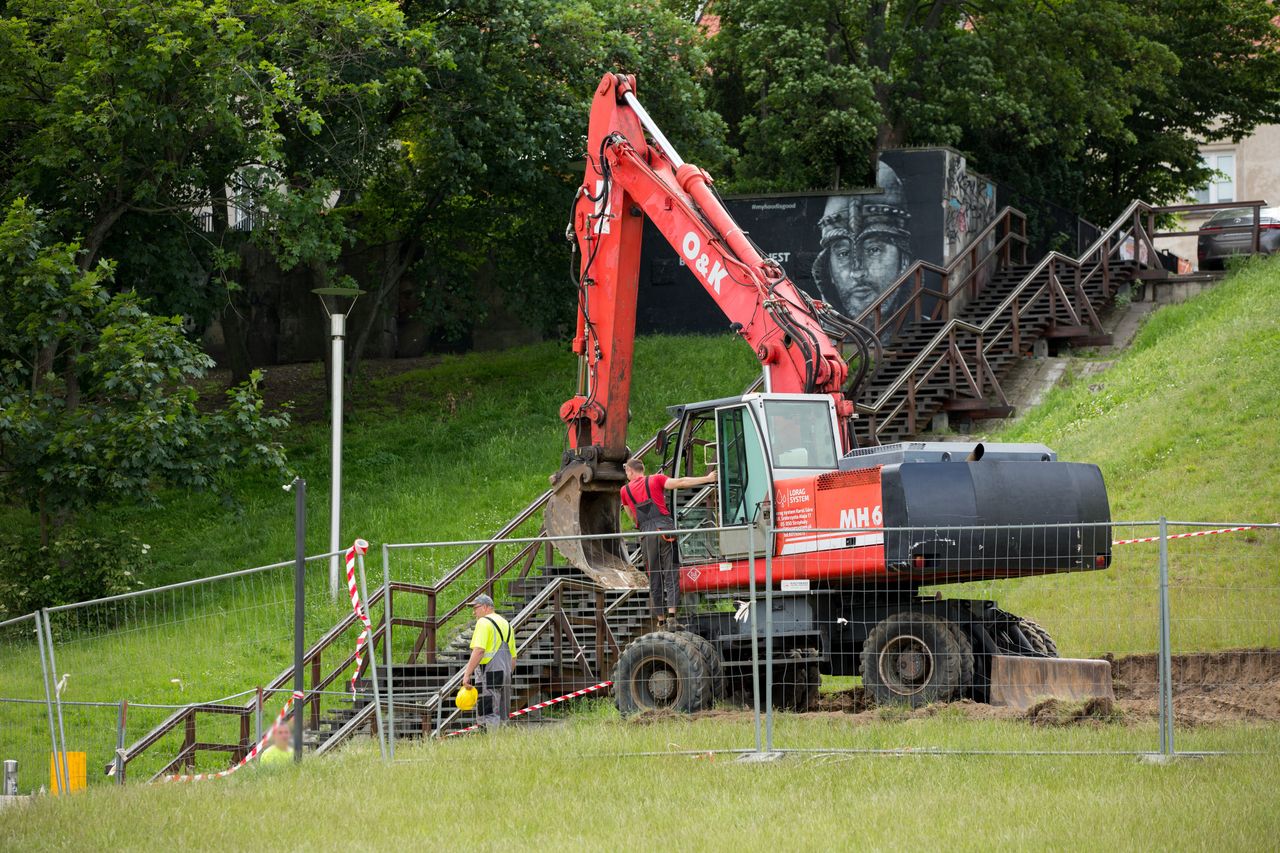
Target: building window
(1222, 186)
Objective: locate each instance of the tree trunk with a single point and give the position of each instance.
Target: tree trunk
(235, 323)
(106, 219)
(400, 256)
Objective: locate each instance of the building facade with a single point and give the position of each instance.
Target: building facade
(1248, 170)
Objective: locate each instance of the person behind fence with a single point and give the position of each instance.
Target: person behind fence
(645, 499)
(280, 752)
(493, 656)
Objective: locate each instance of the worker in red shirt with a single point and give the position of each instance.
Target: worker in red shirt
(646, 500)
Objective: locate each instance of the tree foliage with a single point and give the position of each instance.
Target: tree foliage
(136, 123)
(493, 148)
(1087, 102)
(97, 401)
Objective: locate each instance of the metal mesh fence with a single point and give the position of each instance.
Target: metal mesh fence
(966, 639)
(962, 639)
(1224, 605)
(192, 660)
(24, 713)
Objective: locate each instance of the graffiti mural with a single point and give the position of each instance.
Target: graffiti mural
(845, 248)
(866, 245)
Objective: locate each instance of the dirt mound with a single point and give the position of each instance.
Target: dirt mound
(1135, 676)
(1240, 685)
(1056, 712)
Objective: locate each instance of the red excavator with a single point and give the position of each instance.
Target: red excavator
(856, 531)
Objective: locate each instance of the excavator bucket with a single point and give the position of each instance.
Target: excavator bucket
(1021, 682)
(585, 504)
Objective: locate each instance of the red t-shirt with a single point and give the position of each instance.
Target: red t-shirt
(634, 493)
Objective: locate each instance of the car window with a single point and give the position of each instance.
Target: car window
(1229, 217)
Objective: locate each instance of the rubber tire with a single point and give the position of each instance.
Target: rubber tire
(801, 690)
(666, 649)
(968, 686)
(944, 649)
(711, 660)
(1039, 637)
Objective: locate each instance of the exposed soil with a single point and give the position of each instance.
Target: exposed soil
(1211, 688)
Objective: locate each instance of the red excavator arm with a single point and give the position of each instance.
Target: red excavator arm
(629, 177)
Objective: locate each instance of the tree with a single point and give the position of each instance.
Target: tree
(492, 150)
(97, 401)
(1086, 102)
(138, 122)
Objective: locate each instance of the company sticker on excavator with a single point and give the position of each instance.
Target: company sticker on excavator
(691, 248)
(818, 515)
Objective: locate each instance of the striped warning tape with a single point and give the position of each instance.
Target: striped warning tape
(358, 547)
(249, 756)
(1186, 535)
(539, 706)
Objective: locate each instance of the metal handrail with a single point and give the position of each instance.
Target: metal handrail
(548, 593)
(955, 324)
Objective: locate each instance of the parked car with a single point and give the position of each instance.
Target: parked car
(1215, 247)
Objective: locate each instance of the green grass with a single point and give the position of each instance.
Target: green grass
(1184, 425)
(567, 787)
(447, 452)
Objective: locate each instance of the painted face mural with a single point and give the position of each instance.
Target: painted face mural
(866, 245)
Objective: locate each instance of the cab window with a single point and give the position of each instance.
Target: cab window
(800, 434)
(744, 474)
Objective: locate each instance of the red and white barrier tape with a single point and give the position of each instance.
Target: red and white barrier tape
(1185, 535)
(252, 754)
(359, 547)
(538, 707)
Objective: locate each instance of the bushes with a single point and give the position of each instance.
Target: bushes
(74, 567)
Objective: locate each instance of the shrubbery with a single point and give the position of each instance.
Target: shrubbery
(73, 567)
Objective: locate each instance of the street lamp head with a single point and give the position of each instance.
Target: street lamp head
(338, 300)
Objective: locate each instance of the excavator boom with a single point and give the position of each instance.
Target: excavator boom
(630, 177)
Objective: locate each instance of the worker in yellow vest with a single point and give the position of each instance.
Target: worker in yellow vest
(280, 752)
(493, 657)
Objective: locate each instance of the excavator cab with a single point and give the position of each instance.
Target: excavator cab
(758, 439)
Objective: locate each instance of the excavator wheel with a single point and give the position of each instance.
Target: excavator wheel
(968, 663)
(913, 658)
(661, 671)
(797, 684)
(711, 660)
(1039, 638)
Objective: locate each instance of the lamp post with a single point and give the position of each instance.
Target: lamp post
(337, 302)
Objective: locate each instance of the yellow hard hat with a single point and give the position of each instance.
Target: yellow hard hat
(466, 698)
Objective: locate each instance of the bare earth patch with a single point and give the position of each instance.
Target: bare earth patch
(1210, 688)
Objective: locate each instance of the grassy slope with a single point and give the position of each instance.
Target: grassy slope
(446, 452)
(568, 788)
(1184, 425)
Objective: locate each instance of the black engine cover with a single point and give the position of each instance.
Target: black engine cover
(1036, 517)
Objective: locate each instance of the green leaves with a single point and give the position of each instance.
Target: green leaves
(98, 400)
(1086, 102)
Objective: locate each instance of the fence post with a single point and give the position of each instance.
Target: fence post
(755, 643)
(120, 730)
(387, 633)
(60, 762)
(257, 717)
(768, 636)
(58, 769)
(1166, 657)
(299, 605)
(373, 659)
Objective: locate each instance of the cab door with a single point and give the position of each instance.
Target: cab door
(745, 477)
